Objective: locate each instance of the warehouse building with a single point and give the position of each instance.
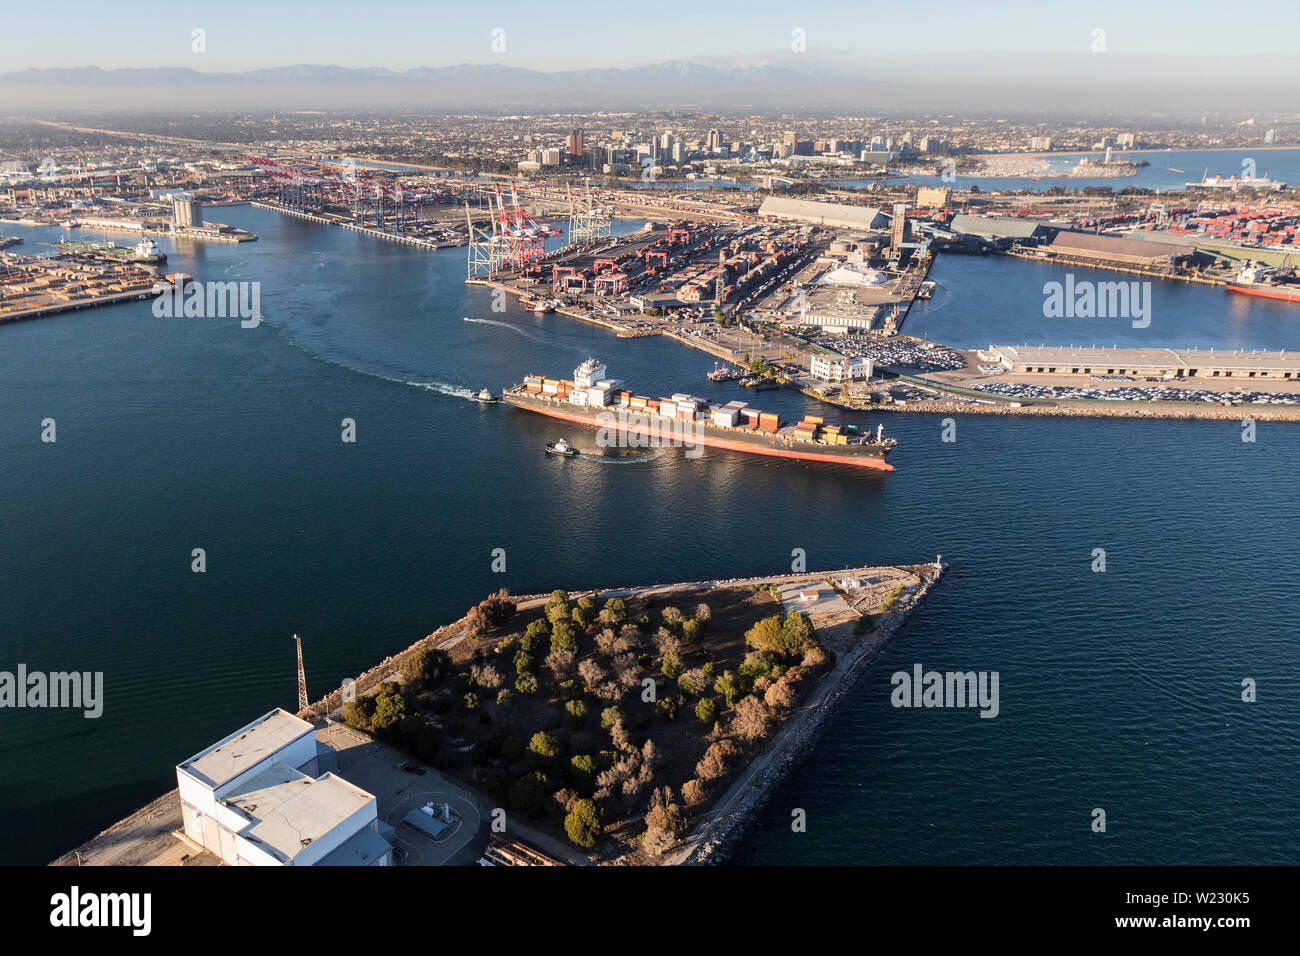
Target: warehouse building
(1089, 247)
(254, 799)
(1007, 228)
(836, 215)
(1148, 363)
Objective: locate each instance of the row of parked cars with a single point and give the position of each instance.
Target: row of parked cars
(1138, 393)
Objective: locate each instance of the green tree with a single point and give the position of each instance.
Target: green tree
(577, 709)
(389, 710)
(614, 613)
(583, 824)
(707, 711)
(557, 608)
(528, 794)
(536, 637)
(767, 636)
(416, 668)
(419, 738)
(582, 771)
(797, 633)
(526, 684)
(564, 637)
(585, 612)
(728, 685)
(544, 750)
(356, 713)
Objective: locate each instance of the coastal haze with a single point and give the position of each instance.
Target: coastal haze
(1080, 83)
(1019, 315)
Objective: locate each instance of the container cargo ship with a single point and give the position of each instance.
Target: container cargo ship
(591, 398)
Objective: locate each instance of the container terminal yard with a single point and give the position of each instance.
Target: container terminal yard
(810, 291)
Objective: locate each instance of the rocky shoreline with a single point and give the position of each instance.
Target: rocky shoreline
(718, 837)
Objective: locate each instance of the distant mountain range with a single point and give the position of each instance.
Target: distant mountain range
(1048, 83)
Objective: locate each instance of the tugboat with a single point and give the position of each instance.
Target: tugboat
(722, 373)
(485, 397)
(562, 448)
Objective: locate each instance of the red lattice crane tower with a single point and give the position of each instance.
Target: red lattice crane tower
(302, 677)
(523, 237)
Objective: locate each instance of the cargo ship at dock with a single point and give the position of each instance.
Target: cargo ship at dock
(592, 399)
(144, 252)
(1265, 283)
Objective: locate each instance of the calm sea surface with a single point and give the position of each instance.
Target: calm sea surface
(1118, 690)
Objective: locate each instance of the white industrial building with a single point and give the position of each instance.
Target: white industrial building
(253, 799)
(839, 368)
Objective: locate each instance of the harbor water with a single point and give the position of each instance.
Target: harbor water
(1118, 690)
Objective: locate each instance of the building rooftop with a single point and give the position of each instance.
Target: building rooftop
(288, 809)
(361, 849)
(1149, 357)
(1091, 243)
(823, 213)
(245, 748)
(999, 227)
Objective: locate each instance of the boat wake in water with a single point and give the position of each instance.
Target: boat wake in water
(443, 388)
(629, 458)
(505, 325)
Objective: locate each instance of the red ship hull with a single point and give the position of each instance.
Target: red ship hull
(1282, 294)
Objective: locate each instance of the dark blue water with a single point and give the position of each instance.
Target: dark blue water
(1118, 690)
(980, 302)
(1162, 174)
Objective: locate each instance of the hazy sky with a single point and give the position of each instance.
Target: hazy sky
(556, 34)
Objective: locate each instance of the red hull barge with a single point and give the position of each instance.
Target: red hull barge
(1283, 294)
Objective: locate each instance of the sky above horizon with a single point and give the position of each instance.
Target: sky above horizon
(240, 35)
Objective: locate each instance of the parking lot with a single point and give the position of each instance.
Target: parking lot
(378, 768)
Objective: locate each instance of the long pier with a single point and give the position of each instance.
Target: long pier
(367, 230)
(76, 305)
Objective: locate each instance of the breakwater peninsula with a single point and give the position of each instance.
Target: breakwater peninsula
(640, 725)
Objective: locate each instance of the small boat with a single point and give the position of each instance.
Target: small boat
(561, 447)
(485, 397)
(722, 373)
